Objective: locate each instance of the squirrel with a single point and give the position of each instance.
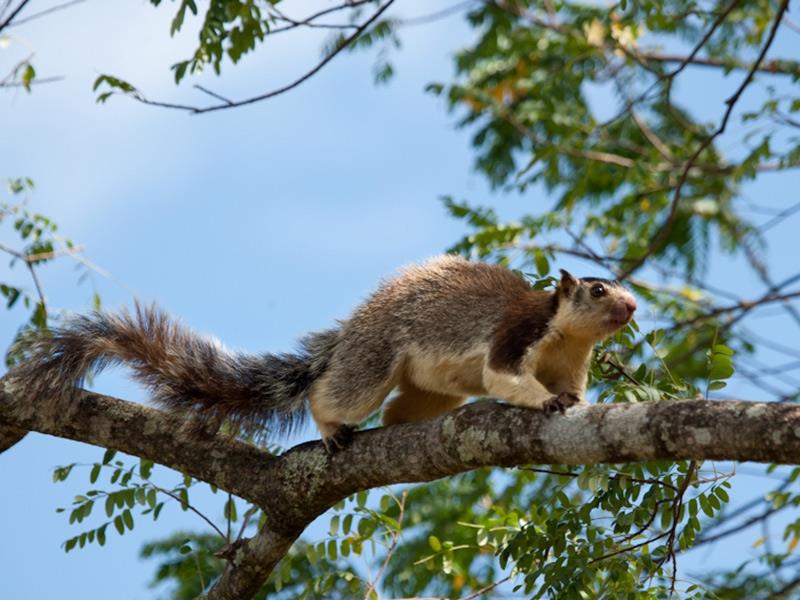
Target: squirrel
(439, 332)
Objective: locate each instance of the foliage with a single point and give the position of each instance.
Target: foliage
(190, 561)
(40, 243)
(234, 28)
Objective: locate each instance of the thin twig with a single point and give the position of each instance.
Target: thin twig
(13, 14)
(192, 508)
(401, 503)
(38, 285)
(278, 91)
(673, 530)
(246, 520)
(777, 219)
(629, 548)
(309, 20)
(45, 12)
(744, 306)
(200, 575)
(615, 477)
(31, 269)
(487, 588)
(36, 81)
(435, 16)
(197, 86)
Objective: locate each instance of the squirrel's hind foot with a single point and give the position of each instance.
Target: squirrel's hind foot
(340, 439)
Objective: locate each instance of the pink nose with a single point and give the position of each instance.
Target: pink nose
(623, 309)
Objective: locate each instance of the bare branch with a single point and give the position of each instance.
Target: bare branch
(13, 14)
(395, 535)
(748, 523)
(31, 269)
(437, 15)
(309, 20)
(45, 12)
(37, 81)
(197, 86)
(774, 67)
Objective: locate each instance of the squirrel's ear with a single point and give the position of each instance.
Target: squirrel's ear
(567, 284)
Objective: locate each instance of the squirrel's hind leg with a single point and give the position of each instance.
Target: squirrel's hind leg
(415, 404)
(337, 406)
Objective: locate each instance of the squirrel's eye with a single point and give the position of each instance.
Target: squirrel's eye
(598, 290)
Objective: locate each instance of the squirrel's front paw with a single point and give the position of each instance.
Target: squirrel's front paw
(561, 402)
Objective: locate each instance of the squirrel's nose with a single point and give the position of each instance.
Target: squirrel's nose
(624, 308)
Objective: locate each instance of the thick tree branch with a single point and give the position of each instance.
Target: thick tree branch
(10, 436)
(146, 432)
(296, 487)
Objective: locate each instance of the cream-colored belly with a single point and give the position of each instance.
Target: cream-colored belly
(454, 374)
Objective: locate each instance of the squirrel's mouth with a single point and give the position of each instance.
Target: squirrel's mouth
(617, 322)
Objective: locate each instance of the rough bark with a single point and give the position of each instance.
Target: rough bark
(296, 487)
(10, 436)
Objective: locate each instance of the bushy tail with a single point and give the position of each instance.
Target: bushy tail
(183, 370)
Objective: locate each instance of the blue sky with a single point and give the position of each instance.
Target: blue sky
(256, 225)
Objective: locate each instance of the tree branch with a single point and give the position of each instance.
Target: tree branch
(45, 12)
(345, 43)
(775, 67)
(295, 488)
(5, 23)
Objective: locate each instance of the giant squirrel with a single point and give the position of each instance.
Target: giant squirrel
(440, 331)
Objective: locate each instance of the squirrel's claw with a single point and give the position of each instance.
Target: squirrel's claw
(340, 439)
(561, 402)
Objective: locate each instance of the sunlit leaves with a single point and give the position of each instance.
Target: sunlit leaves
(522, 91)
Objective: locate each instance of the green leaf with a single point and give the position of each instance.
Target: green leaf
(334, 525)
(542, 264)
(127, 518)
(110, 504)
(230, 510)
(108, 456)
(28, 75)
(347, 524)
(145, 468)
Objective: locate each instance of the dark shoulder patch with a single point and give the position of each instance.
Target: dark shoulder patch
(524, 323)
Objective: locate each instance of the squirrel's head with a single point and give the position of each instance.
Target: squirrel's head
(591, 307)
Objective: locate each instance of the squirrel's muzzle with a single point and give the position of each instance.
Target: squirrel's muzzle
(623, 309)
